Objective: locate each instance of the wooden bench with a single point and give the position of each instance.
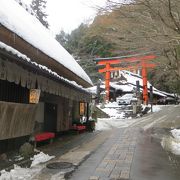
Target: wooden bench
(44, 136)
(79, 128)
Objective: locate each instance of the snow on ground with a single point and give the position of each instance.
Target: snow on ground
(112, 110)
(109, 123)
(172, 143)
(19, 173)
(116, 119)
(40, 158)
(156, 108)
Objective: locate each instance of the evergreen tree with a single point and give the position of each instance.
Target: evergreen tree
(63, 39)
(38, 7)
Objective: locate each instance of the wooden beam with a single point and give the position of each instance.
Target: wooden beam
(139, 66)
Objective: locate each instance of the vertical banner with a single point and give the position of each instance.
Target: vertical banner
(34, 96)
(81, 108)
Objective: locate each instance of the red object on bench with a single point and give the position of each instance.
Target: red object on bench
(79, 128)
(44, 136)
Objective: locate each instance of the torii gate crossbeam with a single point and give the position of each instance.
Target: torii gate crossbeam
(143, 65)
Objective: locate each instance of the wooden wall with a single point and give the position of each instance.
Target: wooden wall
(16, 119)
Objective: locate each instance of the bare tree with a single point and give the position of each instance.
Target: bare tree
(138, 26)
(146, 25)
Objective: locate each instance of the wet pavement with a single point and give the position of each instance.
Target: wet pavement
(151, 162)
(135, 152)
(131, 153)
(112, 160)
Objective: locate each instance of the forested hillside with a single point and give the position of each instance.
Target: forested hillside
(132, 28)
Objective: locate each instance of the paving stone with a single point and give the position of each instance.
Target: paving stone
(103, 164)
(122, 156)
(125, 174)
(121, 167)
(94, 178)
(114, 176)
(129, 158)
(103, 170)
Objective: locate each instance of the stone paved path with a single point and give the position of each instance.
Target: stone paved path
(112, 160)
(128, 154)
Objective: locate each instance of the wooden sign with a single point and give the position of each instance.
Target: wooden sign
(81, 108)
(34, 96)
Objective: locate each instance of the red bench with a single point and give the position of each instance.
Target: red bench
(79, 128)
(44, 136)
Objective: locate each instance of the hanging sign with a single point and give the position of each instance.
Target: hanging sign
(34, 96)
(81, 108)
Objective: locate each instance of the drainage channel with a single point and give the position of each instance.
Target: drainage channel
(60, 165)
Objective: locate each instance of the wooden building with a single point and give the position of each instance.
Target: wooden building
(37, 92)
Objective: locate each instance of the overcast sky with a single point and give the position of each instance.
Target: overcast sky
(69, 14)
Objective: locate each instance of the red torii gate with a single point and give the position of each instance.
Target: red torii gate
(107, 62)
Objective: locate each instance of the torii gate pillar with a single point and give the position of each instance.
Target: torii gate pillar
(107, 80)
(145, 88)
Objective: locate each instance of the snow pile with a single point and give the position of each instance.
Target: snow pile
(155, 108)
(19, 173)
(172, 143)
(15, 18)
(112, 109)
(40, 158)
(116, 120)
(176, 134)
(26, 173)
(111, 105)
(109, 123)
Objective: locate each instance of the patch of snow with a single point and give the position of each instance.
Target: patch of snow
(109, 123)
(123, 87)
(111, 104)
(176, 134)
(112, 110)
(116, 120)
(40, 158)
(15, 18)
(175, 149)
(156, 108)
(19, 173)
(172, 143)
(92, 90)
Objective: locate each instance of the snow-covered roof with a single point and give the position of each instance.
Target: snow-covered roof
(122, 87)
(129, 84)
(15, 18)
(44, 68)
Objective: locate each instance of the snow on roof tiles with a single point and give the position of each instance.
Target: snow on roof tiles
(16, 19)
(24, 57)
